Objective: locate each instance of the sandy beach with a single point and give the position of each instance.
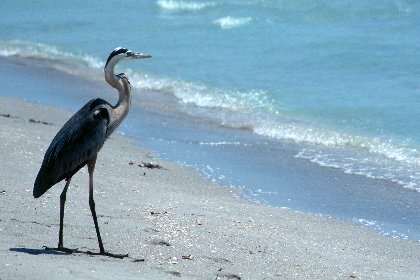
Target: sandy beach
(171, 222)
(265, 139)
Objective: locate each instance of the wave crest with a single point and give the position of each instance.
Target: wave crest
(39, 51)
(172, 5)
(231, 22)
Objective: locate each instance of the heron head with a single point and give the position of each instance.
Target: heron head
(123, 53)
(115, 56)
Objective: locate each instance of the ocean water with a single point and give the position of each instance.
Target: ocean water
(339, 82)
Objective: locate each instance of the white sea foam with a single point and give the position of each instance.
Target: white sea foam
(365, 222)
(31, 50)
(365, 163)
(203, 96)
(354, 154)
(224, 143)
(301, 133)
(172, 5)
(232, 22)
(380, 159)
(376, 226)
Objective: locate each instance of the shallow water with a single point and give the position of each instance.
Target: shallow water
(337, 83)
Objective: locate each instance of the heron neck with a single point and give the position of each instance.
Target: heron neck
(120, 110)
(124, 99)
(110, 77)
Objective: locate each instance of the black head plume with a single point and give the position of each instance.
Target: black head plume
(115, 52)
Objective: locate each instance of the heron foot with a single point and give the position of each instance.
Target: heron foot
(77, 251)
(111, 255)
(62, 249)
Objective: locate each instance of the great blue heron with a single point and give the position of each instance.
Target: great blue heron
(80, 139)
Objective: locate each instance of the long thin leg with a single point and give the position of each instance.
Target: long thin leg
(91, 167)
(60, 233)
(62, 204)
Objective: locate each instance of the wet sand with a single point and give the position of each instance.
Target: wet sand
(170, 221)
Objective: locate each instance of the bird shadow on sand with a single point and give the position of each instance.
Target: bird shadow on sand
(42, 251)
(65, 251)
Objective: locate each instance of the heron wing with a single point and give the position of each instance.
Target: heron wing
(79, 140)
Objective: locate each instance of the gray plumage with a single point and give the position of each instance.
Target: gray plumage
(82, 137)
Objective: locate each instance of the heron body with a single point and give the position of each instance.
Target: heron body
(82, 137)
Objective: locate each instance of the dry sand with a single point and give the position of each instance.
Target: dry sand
(171, 222)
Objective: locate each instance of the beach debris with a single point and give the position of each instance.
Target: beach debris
(233, 276)
(353, 275)
(2, 192)
(138, 260)
(174, 273)
(151, 230)
(160, 242)
(8, 116)
(157, 213)
(187, 257)
(41, 122)
(145, 164)
(150, 165)
(227, 276)
(219, 260)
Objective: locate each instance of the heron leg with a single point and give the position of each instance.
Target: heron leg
(62, 204)
(91, 167)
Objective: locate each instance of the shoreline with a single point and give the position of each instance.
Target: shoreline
(164, 215)
(274, 175)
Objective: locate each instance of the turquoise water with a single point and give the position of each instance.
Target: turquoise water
(341, 80)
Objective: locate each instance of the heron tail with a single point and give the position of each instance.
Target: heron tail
(40, 186)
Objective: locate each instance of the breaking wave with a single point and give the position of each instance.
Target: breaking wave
(39, 51)
(231, 22)
(172, 5)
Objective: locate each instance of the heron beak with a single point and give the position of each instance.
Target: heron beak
(140, 56)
